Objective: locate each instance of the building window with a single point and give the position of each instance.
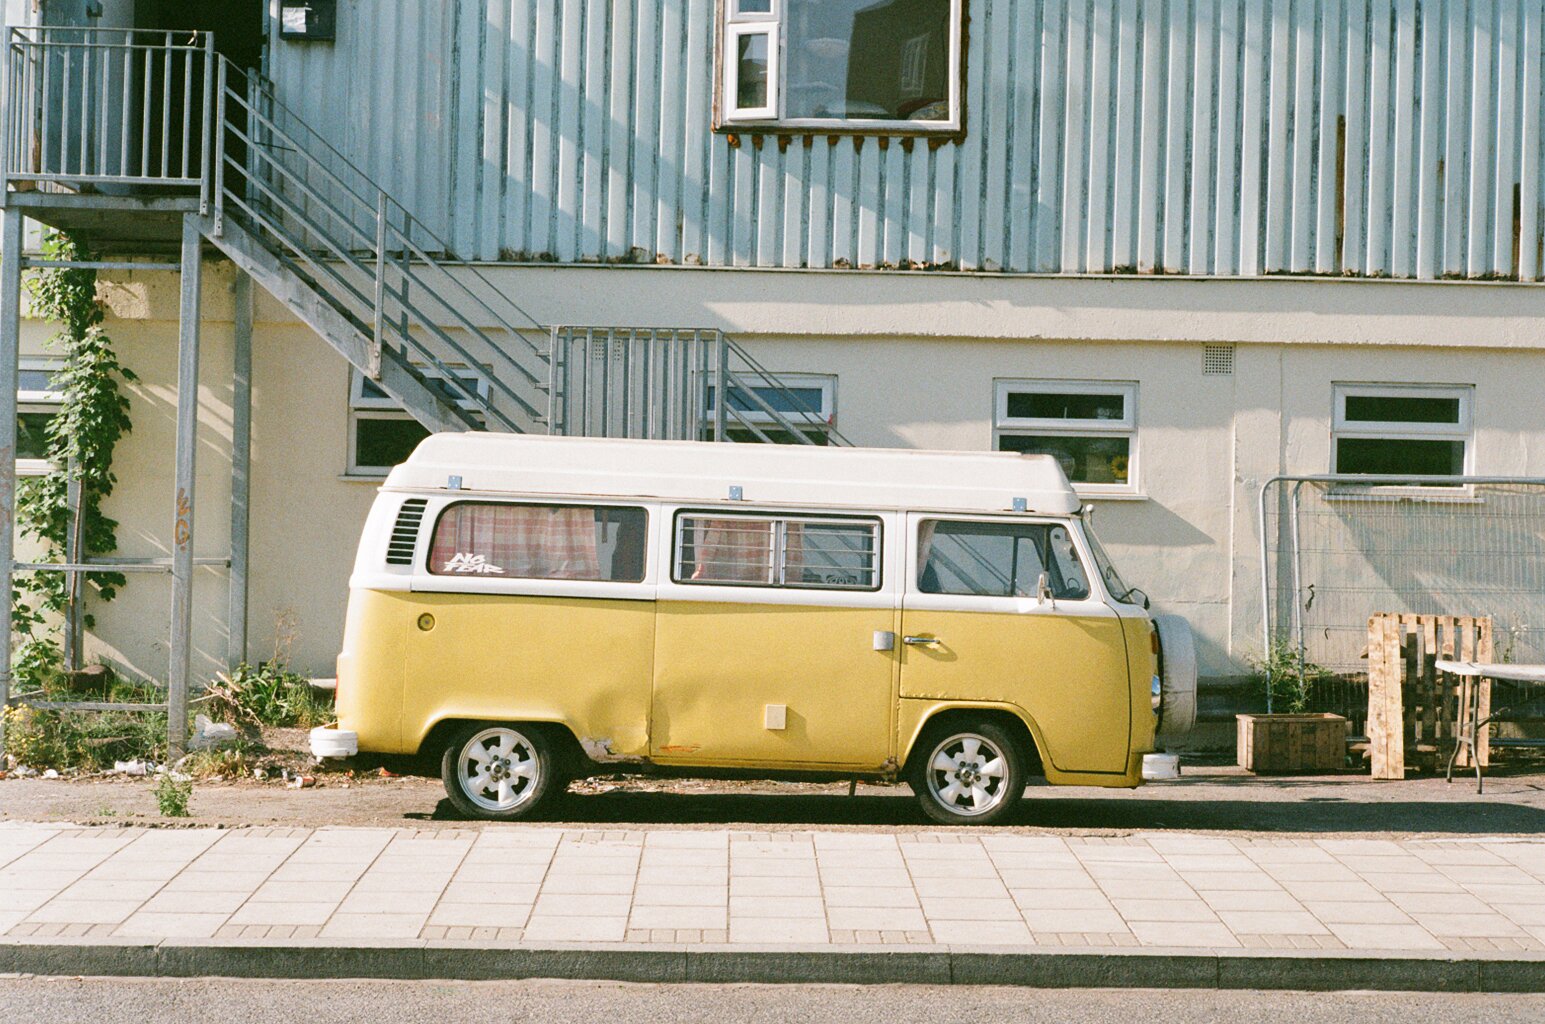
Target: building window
(38, 399)
(380, 434)
(1090, 427)
(548, 542)
(856, 65)
(1401, 430)
(806, 402)
(772, 551)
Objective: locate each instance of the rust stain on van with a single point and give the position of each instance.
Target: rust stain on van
(681, 748)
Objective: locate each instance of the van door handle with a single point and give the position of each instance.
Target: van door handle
(920, 641)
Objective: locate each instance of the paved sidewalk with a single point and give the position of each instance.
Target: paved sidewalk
(528, 885)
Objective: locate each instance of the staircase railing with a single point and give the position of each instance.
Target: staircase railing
(106, 107)
(137, 111)
(105, 110)
(276, 175)
(682, 385)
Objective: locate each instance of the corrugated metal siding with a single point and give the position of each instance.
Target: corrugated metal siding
(1383, 137)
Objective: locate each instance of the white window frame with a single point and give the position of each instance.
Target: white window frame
(45, 401)
(1390, 430)
(777, 567)
(826, 382)
(733, 33)
(1005, 425)
(736, 23)
(363, 407)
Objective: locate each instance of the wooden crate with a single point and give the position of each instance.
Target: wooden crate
(1292, 743)
(1413, 710)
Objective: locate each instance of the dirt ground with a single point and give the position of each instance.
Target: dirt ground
(1205, 798)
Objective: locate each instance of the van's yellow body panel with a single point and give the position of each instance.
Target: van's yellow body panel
(581, 663)
(719, 666)
(371, 666)
(1069, 673)
(698, 677)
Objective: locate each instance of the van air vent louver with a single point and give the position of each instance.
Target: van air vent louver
(399, 550)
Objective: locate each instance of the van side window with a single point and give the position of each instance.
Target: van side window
(775, 551)
(548, 542)
(998, 559)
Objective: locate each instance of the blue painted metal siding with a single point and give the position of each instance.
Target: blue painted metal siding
(1372, 137)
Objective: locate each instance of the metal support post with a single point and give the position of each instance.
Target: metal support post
(75, 585)
(241, 466)
(10, 341)
(721, 402)
(182, 524)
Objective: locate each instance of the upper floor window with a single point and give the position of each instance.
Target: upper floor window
(851, 65)
(1088, 426)
(1401, 429)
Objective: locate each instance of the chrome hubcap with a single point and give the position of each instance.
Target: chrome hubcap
(967, 774)
(497, 769)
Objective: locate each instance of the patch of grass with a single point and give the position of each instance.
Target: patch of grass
(232, 762)
(87, 740)
(172, 795)
(267, 694)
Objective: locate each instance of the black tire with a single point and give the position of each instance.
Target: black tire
(973, 748)
(519, 757)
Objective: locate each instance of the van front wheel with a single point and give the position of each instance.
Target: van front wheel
(972, 775)
(498, 772)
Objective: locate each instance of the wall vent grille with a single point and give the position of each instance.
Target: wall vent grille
(399, 550)
(1217, 360)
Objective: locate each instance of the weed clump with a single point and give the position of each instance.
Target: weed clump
(172, 795)
(267, 693)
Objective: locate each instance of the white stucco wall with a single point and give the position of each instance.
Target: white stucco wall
(915, 357)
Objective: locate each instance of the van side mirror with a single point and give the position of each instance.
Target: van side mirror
(1043, 593)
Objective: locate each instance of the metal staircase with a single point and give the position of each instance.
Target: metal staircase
(149, 141)
(124, 125)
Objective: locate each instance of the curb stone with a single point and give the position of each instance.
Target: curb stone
(1175, 969)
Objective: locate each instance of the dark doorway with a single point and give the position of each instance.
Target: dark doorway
(237, 27)
(237, 24)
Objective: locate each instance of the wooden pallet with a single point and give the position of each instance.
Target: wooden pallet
(1413, 709)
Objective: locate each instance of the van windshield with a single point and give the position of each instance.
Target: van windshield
(1119, 591)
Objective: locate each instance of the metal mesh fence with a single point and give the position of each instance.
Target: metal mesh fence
(1335, 550)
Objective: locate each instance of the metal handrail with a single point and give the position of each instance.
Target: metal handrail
(134, 107)
(414, 226)
(96, 119)
(254, 160)
(362, 242)
(671, 372)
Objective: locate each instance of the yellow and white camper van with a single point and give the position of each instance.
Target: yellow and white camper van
(533, 607)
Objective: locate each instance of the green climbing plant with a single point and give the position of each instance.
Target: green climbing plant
(81, 437)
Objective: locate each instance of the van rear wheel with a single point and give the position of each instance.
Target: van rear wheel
(971, 774)
(498, 772)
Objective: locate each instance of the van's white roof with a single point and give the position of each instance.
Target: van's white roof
(697, 471)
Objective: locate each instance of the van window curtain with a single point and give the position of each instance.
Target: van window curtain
(527, 541)
(733, 551)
